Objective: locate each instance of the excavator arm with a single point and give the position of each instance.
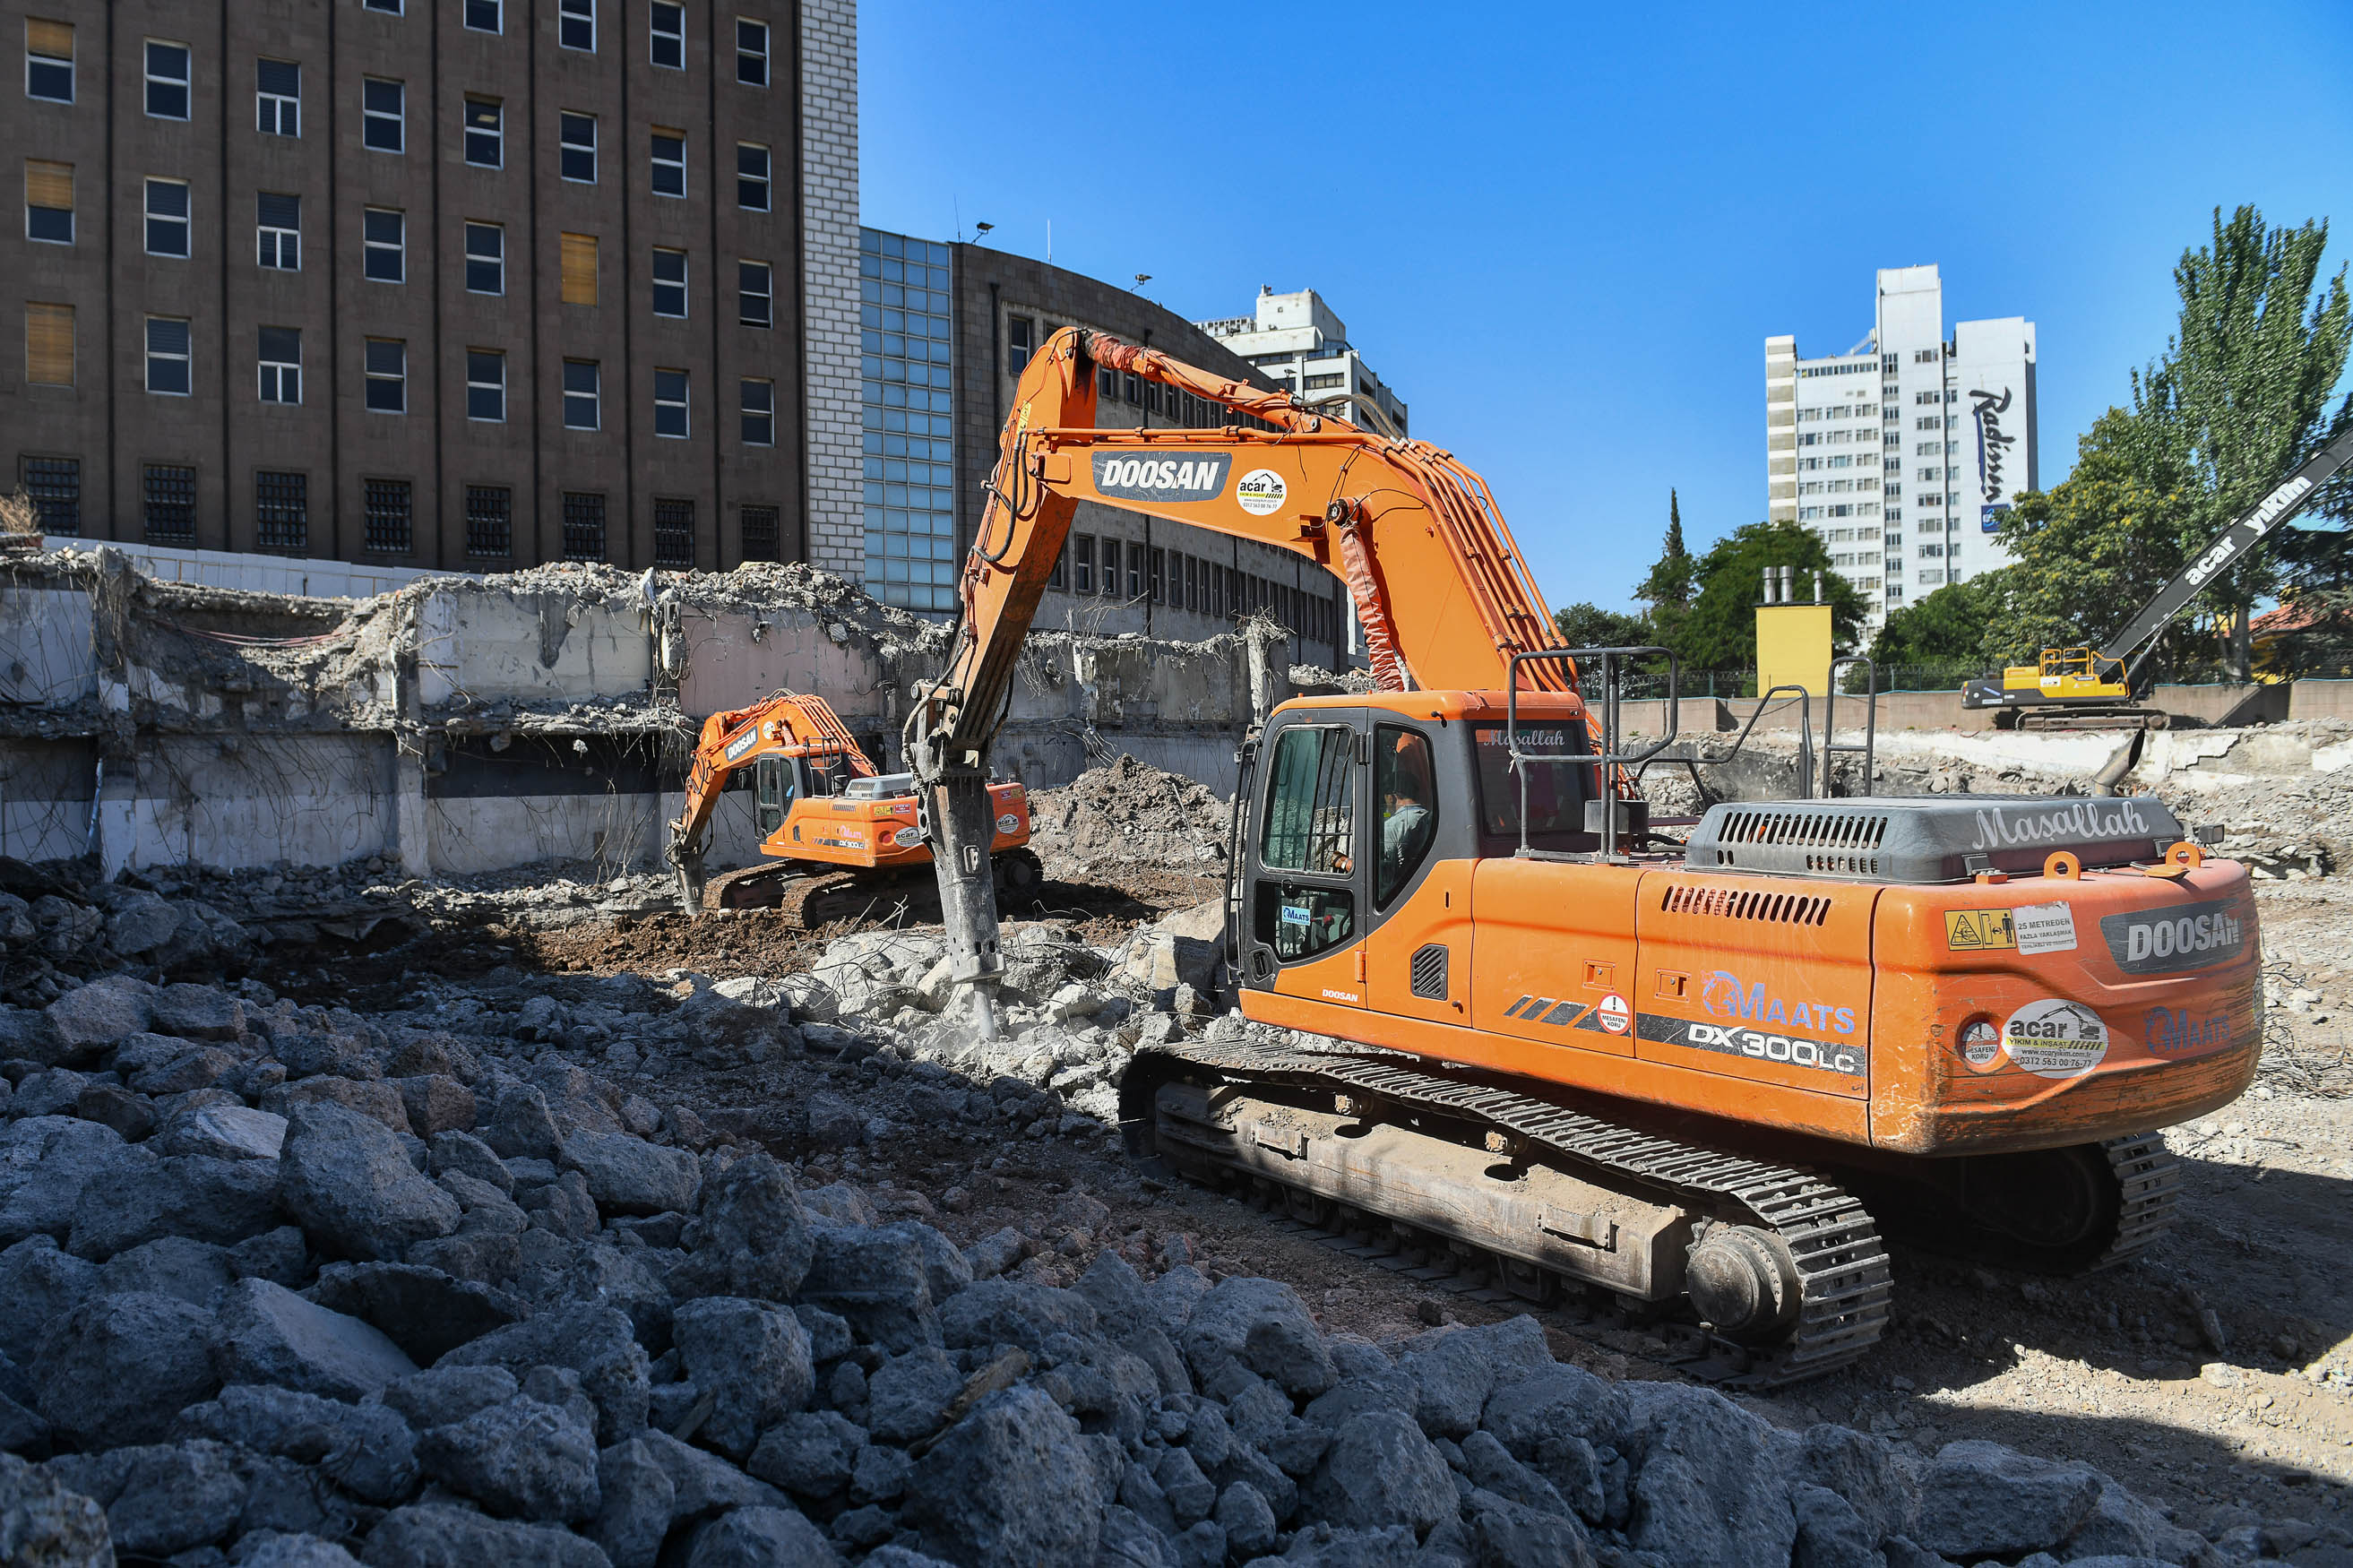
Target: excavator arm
(787, 724)
(1441, 589)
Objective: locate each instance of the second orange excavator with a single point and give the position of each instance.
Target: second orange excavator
(840, 840)
(1561, 1042)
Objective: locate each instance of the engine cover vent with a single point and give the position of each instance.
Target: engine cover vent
(1428, 973)
(1745, 904)
(1929, 838)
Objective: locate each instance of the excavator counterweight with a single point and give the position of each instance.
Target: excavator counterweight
(1698, 1075)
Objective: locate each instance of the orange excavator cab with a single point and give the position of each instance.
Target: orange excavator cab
(838, 838)
(1581, 1054)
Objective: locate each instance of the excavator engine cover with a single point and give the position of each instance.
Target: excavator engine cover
(1929, 838)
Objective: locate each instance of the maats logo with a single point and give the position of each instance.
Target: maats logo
(2169, 1033)
(1725, 995)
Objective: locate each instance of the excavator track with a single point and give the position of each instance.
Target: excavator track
(2148, 1182)
(812, 901)
(1841, 1263)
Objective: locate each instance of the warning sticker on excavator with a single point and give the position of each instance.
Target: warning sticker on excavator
(2045, 928)
(1260, 491)
(1614, 1013)
(1975, 930)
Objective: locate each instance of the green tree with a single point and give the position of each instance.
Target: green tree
(1590, 626)
(1948, 627)
(2240, 398)
(1670, 581)
(1719, 632)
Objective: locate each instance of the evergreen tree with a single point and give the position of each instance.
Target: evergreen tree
(1669, 582)
(1719, 629)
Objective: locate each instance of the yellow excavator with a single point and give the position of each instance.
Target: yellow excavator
(2086, 688)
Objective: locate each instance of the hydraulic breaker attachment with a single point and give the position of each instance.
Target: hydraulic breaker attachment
(956, 809)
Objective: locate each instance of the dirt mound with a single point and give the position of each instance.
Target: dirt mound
(1131, 811)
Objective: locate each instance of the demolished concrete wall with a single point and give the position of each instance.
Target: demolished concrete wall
(459, 725)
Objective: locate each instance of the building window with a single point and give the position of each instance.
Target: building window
(49, 60)
(670, 163)
(759, 412)
(281, 364)
(755, 294)
(48, 202)
(484, 16)
(575, 25)
(388, 517)
(485, 258)
(281, 512)
(667, 23)
(669, 403)
(384, 240)
(169, 492)
(1111, 553)
(674, 532)
(490, 520)
(386, 368)
(583, 526)
(583, 395)
(752, 176)
(384, 115)
(760, 533)
(751, 52)
(167, 81)
(486, 384)
(1928, 422)
(54, 487)
(278, 225)
(670, 282)
(577, 134)
(277, 98)
(49, 344)
(579, 269)
(1083, 563)
(486, 120)
(167, 355)
(167, 217)
(389, 7)
(1019, 343)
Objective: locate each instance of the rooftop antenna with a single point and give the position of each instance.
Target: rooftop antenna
(1049, 239)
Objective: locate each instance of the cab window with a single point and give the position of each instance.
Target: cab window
(1310, 831)
(1403, 785)
(1557, 791)
(777, 787)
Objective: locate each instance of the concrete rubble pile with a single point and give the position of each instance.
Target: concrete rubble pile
(291, 1285)
(1127, 810)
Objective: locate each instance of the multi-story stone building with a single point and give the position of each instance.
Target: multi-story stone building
(1902, 452)
(469, 284)
(948, 330)
(1301, 342)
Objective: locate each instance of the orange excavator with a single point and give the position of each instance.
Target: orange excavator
(1562, 1045)
(840, 838)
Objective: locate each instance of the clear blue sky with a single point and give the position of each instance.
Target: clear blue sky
(1562, 232)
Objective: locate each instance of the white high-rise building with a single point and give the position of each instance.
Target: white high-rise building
(1299, 341)
(1903, 451)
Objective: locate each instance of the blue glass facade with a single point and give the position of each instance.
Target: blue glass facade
(906, 371)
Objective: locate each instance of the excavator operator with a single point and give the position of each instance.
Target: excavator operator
(1406, 822)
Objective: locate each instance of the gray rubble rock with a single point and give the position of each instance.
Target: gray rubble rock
(1866, 1471)
(437, 1103)
(907, 1397)
(442, 1535)
(119, 1369)
(1011, 1483)
(46, 1162)
(200, 1066)
(373, 1098)
(446, 1394)
(753, 1361)
(56, 1092)
(280, 1256)
(425, 1312)
(197, 1013)
(270, 1334)
(993, 1255)
(194, 1271)
(750, 1237)
(1260, 1324)
(225, 1133)
(1249, 1522)
(1015, 1312)
(222, 1201)
(629, 1175)
(1381, 1470)
(1559, 1399)
(1981, 1499)
(1713, 1490)
(469, 1155)
(810, 1453)
(2123, 1525)
(1456, 1370)
(275, 1549)
(521, 1458)
(1831, 1533)
(561, 1206)
(46, 1524)
(367, 1449)
(347, 1179)
(762, 1537)
(636, 1502)
(101, 1013)
(140, 922)
(28, 1036)
(111, 1105)
(163, 1497)
(1507, 1533)
(520, 1125)
(878, 1279)
(39, 1283)
(597, 1341)
(704, 1482)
